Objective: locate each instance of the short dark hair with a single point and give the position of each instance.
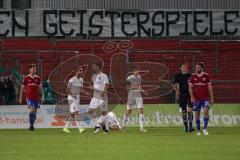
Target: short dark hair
(201, 64)
(31, 65)
(135, 68)
(79, 68)
(184, 63)
(99, 64)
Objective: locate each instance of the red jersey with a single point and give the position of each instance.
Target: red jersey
(200, 85)
(31, 86)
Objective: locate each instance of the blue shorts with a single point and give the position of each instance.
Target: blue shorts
(198, 105)
(33, 103)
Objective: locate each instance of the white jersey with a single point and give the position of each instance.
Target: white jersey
(112, 119)
(99, 82)
(75, 84)
(135, 85)
(134, 94)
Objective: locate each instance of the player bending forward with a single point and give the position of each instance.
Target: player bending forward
(74, 88)
(201, 92)
(113, 123)
(134, 97)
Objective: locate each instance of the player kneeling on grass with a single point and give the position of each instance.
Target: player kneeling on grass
(134, 97)
(74, 88)
(113, 123)
(99, 99)
(201, 92)
(31, 86)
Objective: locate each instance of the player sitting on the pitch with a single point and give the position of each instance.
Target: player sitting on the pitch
(180, 85)
(113, 123)
(201, 92)
(134, 97)
(74, 88)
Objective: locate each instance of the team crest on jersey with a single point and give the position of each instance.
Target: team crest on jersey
(204, 79)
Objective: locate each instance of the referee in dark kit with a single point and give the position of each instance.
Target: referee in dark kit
(180, 85)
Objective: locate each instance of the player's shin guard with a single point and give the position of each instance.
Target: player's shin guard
(198, 124)
(32, 117)
(206, 119)
(190, 119)
(185, 121)
(141, 120)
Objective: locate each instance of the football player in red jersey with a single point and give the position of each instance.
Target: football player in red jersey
(31, 86)
(201, 93)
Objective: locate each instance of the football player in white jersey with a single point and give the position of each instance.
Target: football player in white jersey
(99, 99)
(134, 97)
(74, 88)
(113, 122)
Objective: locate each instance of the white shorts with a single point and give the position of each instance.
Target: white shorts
(74, 104)
(98, 103)
(136, 102)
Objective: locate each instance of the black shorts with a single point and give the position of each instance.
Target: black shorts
(184, 101)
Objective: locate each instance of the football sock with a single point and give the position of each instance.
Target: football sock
(77, 120)
(141, 120)
(125, 119)
(190, 119)
(31, 118)
(185, 121)
(68, 123)
(198, 124)
(205, 122)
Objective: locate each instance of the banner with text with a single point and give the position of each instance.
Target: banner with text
(115, 23)
(159, 115)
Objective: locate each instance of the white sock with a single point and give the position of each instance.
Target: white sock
(77, 120)
(106, 122)
(125, 119)
(78, 124)
(141, 120)
(68, 123)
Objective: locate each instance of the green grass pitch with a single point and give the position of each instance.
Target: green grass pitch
(156, 144)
